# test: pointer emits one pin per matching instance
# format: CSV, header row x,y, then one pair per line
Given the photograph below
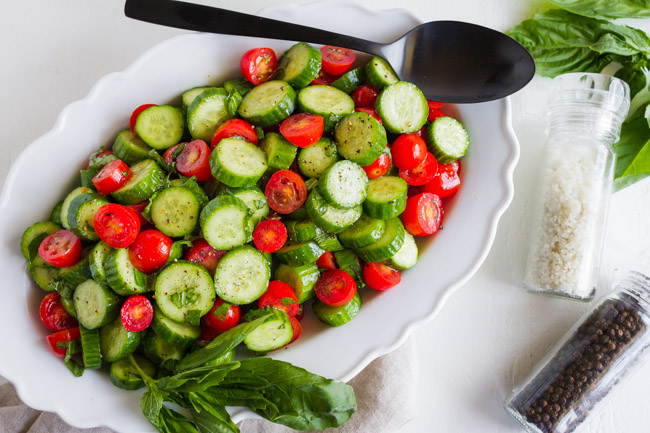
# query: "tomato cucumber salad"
x,y
283,192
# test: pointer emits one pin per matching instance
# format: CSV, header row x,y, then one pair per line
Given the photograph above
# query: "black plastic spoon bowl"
x,y
451,61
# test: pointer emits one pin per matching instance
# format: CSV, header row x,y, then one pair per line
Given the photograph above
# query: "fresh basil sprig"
x,y
607,8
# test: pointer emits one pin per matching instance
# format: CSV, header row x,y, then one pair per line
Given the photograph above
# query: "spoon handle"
x,y
202,18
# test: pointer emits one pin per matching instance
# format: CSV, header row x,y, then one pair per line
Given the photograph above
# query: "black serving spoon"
x,y
450,61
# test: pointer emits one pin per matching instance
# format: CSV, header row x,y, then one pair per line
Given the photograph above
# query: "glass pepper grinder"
x,y
585,114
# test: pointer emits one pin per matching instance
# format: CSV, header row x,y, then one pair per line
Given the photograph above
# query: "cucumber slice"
x,y
360,138
268,104
314,160
242,275
158,350
96,305
117,343
174,333
302,279
330,218
225,222
240,85
190,95
87,176
348,261
96,260
44,277
326,101
279,152
236,162
349,81
407,256
81,213
184,291
255,200
302,231
387,246
344,185
191,184
77,273
447,139
91,355
299,254
125,376
207,112
33,237
299,65
175,211
55,215
298,215
402,107
328,242
271,335
121,276
379,73
160,126
129,148
337,316
386,197
147,179
66,203
362,233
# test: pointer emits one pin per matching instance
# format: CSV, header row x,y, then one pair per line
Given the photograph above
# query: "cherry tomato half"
x,y
281,296
150,251
234,128
423,173
337,60
323,79
270,235
408,151
61,337
327,261
302,129
202,253
365,96
60,249
423,214
434,110
194,160
296,328
445,183
112,177
335,287
169,156
380,277
222,321
257,65
136,113
379,167
53,315
370,111
136,313
116,225
285,191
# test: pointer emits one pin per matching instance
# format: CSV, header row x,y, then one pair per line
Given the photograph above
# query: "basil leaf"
x,y
633,152
169,168
197,379
173,422
607,8
221,311
288,301
151,404
72,348
210,418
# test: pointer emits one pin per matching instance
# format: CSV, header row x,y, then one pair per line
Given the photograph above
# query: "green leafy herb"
x,y
633,152
95,162
221,311
193,316
288,301
169,168
607,8
233,101
72,347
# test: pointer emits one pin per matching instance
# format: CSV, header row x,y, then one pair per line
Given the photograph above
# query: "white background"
x,y
491,332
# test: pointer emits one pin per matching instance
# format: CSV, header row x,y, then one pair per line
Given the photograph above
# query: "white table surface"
x,y
491,332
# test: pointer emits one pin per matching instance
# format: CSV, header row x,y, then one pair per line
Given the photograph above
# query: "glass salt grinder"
x,y
591,358
585,113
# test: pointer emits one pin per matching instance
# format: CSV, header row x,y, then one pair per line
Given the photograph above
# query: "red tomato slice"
x,y
150,251
270,235
116,225
234,128
380,277
445,183
379,167
423,173
61,337
434,113
139,208
168,155
370,111
202,253
297,330
60,249
323,79
207,334
335,287
220,322
281,296
136,313
285,191
136,113
423,214
435,104
112,177
257,65
302,129
194,160
301,313
408,151
337,60
53,315
365,96
98,156
327,261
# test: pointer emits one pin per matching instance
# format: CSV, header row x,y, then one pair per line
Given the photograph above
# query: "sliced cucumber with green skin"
x,y
225,222
407,256
125,376
268,104
387,246
314,160
174,333
160,126
129,148
191,184
254,199
81,213
55,216
349,81
95,304
77,273
337,316
242,275
344,185
386,197
44,277
302,279
184,291
348,261
298,215
96,260
158,350
240,85
299,254
175,211
402,107
33,237
91,354
379,73
364,232
147,179
279,152
271,335
299,65
447,139
68,305
326,101
190,95
66,203
122,276
233,101
117,343
236,162
207,112
302,231
330,218
328,242
360,138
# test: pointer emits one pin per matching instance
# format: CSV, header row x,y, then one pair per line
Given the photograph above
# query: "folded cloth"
x,y
385,390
